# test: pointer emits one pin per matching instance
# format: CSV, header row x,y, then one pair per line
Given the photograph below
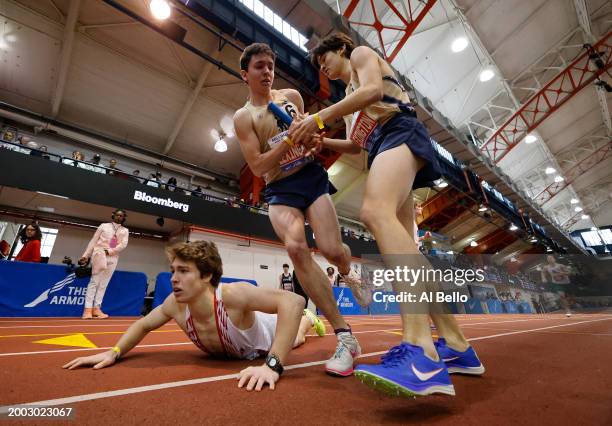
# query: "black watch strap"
x,y
274,364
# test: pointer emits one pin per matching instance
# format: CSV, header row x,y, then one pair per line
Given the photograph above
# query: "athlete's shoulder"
x,y
292,96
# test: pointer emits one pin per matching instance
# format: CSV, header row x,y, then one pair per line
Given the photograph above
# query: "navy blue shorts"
x,y
402,128
300,189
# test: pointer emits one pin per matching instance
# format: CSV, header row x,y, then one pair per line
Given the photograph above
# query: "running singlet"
x,y
287,282
364,122
236,343
270,131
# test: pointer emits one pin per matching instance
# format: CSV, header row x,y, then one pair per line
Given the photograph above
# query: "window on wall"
x,y
606,235
46,243
277,22
591,238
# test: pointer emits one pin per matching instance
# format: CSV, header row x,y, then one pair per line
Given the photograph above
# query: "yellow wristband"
x,y
319,121
116,350
288,140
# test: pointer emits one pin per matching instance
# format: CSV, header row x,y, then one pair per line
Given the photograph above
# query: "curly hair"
x,y
252,50
203,253
37,236
331,43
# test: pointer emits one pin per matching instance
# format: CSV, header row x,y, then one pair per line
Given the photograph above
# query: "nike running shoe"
x,y
406,371
341,363
318,325
466,362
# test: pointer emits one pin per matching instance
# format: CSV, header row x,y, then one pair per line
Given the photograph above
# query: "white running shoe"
x,y
341,363
361,292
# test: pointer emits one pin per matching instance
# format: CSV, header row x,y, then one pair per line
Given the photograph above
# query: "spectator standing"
x,y
103,250
285,279
331,275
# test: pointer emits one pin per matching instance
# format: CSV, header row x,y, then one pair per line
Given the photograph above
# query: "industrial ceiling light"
x,y
593,228
160,9
513,227
441,183
578,209
530,138
584,216
549,170
220,145
473,244
574,201
559,179
483,208
459,44
486,74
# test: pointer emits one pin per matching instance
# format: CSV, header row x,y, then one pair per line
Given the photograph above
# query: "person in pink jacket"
x,y
103,250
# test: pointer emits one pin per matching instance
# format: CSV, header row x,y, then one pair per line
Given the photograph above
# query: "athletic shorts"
x,y
300,189
405,128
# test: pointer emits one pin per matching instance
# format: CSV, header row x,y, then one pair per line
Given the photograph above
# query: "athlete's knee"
x,y
335,255
370,215
298,250
374,214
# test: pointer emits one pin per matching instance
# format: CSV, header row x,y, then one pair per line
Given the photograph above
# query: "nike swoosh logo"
x,y
450,359
424,376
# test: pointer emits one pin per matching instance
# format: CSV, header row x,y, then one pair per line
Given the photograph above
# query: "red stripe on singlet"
x,y
193,335
217,324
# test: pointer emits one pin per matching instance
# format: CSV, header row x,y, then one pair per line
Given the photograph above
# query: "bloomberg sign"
x,y
167,202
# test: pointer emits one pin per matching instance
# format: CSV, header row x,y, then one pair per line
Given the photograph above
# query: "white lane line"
x,y
91,349
180,344
168,385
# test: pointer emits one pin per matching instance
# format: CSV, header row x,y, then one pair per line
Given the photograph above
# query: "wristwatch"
x,y
274,363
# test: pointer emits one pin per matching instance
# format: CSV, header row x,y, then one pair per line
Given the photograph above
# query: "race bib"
x,y
362,129
292,158
113,242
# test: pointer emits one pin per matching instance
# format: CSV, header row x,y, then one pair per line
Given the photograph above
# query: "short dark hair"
x,y
285,265
331,43
203,253
122,211
37,236
252,50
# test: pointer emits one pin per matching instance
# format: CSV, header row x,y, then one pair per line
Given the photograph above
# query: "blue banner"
x,y
524,307
39,290
381,305
495,306
510,307
346,302
473,306
163,286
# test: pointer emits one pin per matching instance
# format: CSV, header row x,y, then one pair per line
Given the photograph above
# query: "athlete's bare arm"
x,y
134,335
289,308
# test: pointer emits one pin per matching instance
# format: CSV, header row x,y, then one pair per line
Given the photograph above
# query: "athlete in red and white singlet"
x,y
236,343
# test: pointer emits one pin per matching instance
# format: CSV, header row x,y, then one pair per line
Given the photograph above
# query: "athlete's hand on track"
x,y
98,361
257,377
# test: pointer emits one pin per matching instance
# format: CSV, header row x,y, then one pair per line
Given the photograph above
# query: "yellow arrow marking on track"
x,y
79,340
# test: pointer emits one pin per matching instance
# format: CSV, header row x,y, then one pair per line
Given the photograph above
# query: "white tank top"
x,y
236,343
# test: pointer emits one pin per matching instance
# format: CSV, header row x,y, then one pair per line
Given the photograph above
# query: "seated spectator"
x,y
40,152
5,248
112,165
197,192
135,176
173,185
153,181
30,237
95,159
